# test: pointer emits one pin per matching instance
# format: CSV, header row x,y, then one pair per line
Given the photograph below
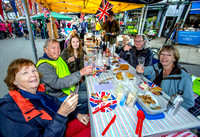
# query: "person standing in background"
x,y
83,29
111,28
33,29
98,27
25,29
93,28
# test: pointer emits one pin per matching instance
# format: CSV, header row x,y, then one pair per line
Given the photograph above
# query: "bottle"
x,y
175,103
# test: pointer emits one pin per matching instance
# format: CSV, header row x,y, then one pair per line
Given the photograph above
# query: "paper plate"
x,y
97,102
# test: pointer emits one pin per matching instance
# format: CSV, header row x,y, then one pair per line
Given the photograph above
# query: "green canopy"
x,y
53,14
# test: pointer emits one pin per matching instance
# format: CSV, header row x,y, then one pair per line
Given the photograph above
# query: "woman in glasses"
x,y
124,49
170,76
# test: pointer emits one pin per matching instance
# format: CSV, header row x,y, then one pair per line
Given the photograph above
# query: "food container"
x,y
158,102
131,99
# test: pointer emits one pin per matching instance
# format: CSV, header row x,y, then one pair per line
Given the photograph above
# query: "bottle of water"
x,y
175,103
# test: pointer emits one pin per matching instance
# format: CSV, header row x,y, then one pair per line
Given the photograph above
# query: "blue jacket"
x,y
178,79
20,117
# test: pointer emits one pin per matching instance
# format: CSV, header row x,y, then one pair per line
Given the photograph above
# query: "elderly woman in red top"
x,y
29,111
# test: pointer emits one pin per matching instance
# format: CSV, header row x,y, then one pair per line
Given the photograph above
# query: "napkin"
x,y
103,87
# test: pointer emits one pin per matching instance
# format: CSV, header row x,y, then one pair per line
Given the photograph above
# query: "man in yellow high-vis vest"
x,y
56,76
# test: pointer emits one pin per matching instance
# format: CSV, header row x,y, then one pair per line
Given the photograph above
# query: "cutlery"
x,y
107,105
141,117
110,123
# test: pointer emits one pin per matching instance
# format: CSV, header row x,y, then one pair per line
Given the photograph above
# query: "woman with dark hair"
x,y
73,55
29,111
170,76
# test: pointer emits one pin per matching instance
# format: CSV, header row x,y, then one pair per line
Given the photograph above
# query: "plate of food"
x,y
100,99
155,89
120,75
150,103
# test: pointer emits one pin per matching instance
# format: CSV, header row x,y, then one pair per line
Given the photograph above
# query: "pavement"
x,y
20,48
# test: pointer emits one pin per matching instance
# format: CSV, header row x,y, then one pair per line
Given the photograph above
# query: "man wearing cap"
x,y
112,28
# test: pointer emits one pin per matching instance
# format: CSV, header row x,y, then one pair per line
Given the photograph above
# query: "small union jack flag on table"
x,y
103,10
96,102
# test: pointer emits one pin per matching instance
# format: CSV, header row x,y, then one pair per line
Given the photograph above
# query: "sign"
x,y
174,10
189,37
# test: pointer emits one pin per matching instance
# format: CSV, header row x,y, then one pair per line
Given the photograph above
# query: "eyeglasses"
x,y
168,55
138,41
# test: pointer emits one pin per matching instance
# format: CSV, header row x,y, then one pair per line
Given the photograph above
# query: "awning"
x,y
53,14
85,6
195,9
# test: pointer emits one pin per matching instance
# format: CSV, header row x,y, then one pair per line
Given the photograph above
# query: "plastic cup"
x,y
141,61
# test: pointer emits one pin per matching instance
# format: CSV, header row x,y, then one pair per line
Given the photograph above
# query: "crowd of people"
x,y
50,98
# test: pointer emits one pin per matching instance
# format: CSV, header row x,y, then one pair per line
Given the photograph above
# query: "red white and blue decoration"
x,y
103,10
46,12
96,102
151,85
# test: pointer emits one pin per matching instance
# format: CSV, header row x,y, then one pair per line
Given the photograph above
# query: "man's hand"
x,y
68,105
71,59
140,69
83,118
86,70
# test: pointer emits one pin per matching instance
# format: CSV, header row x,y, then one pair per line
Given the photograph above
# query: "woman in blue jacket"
x,y
29,111
170,76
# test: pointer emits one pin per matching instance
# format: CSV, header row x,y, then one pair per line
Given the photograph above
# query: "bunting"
x,y
12,2
1,10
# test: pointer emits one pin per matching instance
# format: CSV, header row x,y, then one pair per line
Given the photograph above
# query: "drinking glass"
x,y
141,61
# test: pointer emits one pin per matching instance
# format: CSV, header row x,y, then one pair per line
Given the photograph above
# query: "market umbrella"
x,y
86,6
53,14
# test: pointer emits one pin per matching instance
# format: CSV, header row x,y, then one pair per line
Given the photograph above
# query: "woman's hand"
x,y
71,59
83,118
140,69
86,70
68,105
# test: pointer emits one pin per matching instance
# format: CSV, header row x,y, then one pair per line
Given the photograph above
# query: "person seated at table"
x,y
124,49
169,75
73,55
140,49
57,78
71,33
28,111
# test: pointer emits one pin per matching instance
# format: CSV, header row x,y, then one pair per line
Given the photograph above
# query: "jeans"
x,y
93,32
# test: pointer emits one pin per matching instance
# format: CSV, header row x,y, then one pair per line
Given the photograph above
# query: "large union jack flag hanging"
x,y
46,12
103,10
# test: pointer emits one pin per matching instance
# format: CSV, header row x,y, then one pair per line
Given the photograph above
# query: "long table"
x,y
126,120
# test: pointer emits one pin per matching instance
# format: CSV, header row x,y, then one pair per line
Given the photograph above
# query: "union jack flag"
x,y
20,26
46,12
23,13
96,102
82,16
103,10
